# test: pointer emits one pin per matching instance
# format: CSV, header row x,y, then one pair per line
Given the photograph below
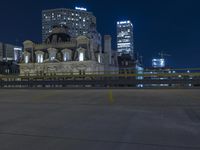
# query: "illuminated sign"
x,y
158,63
123,22
81,8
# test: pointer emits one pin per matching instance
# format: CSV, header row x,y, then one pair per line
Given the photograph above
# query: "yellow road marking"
x,y
110,97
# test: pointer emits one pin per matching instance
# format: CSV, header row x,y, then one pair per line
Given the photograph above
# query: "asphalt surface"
x,y
100,119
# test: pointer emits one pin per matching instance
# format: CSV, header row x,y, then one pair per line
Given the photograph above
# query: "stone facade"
x,y
62,55
62,68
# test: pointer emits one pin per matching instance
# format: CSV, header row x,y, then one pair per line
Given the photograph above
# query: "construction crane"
x,y
162,54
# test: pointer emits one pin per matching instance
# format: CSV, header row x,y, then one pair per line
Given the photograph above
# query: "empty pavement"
x,y
100,119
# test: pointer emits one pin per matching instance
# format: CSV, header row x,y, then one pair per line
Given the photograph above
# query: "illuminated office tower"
x,y
78,20
125,44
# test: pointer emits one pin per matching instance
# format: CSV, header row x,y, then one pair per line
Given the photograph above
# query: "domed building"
x,y
60,54
59,34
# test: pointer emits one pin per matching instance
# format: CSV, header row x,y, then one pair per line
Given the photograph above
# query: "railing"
x,y
175,80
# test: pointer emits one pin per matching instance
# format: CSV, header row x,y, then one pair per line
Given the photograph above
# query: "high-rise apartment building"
x,y
78,21
125,41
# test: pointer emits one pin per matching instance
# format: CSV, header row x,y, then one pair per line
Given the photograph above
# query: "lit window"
x,y
66,56
39,58
99,58
52,58
81,56
26,59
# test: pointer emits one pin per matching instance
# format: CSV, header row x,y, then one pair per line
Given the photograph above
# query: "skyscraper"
x,y
78,20
125,44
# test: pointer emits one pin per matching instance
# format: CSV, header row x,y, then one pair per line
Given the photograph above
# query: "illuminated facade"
x,y
65,55
78,20
158,63
125,43
9,52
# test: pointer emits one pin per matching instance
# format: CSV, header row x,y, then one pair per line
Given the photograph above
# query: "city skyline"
x,y
172,27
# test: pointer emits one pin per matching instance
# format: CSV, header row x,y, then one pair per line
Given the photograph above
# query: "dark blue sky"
x,y
172,26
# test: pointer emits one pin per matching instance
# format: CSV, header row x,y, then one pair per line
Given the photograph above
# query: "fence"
x,y
175,78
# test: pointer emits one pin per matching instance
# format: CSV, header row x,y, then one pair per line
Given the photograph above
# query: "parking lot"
x,y
97,119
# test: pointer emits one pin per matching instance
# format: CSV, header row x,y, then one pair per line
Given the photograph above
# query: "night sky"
x,y
172,26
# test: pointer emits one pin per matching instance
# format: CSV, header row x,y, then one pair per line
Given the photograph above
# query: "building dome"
x,y
59,34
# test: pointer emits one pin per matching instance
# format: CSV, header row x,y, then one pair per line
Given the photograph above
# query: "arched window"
x,y
39,56
81,56
26,57
99,58
66,54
